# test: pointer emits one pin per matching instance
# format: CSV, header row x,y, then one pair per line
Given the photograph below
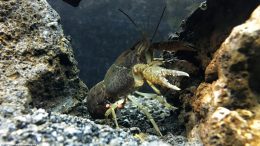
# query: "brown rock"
x,y
230,105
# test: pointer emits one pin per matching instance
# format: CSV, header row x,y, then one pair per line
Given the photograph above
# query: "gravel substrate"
x,y
42,128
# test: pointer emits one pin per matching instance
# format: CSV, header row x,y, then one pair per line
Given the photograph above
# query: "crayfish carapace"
x,y
130,70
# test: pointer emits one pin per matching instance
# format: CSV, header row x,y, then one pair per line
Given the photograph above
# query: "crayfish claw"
x,y
176,73
165,83
166,72
154,74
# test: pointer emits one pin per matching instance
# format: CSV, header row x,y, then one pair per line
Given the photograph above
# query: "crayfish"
x,y
129,72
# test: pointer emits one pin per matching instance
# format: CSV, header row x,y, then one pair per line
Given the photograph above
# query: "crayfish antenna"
x,y
136,26
158,24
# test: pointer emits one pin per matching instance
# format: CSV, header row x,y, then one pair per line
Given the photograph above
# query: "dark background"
x,y
99,32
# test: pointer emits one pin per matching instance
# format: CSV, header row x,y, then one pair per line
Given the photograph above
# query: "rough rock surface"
x,y
211,24
41,128
37,64
131,116
231,103
38,70
220,102
222,105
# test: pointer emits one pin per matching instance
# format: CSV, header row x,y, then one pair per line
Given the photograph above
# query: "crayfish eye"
x,y
108,105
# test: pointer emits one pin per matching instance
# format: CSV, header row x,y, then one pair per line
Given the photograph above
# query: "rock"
x,y
206,28
132,117
39,116
66,130
220,103
37,63
232,116
38,73
209,26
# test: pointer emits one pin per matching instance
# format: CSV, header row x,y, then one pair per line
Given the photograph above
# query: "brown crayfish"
x,y
130,70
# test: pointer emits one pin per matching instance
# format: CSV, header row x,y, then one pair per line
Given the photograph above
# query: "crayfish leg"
x,y
159,98
111,110
149,116
155,89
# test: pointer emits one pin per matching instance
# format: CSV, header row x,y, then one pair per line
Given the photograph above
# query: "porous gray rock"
x,y
38,72
36,63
